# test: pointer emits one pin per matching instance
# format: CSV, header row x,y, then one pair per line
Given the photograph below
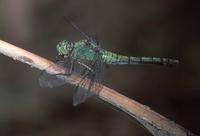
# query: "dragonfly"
x,y
87,59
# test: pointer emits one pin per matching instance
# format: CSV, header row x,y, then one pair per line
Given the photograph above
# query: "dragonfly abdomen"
x,y
152,60
116,59
109,57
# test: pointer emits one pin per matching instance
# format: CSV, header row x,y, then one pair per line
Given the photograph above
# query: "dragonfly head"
x,y
64,48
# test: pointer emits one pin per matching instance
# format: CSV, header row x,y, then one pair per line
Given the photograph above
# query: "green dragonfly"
x,y
87,59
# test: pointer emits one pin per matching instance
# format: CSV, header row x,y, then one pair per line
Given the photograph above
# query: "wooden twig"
x,y
155,123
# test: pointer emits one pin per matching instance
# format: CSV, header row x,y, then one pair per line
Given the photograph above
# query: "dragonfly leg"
x,y
71,66
87,67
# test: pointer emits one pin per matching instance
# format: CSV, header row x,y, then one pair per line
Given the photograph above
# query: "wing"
x,y
50,81
80,94
77,28
91,77
92,39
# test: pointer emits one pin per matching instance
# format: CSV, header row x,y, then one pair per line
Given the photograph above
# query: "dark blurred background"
x,y
162,28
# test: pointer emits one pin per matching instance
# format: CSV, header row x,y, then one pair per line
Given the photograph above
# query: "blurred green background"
x,y
162,28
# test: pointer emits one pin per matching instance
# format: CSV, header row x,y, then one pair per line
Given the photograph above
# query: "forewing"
x,y
80,95
49,80
99,74
89,80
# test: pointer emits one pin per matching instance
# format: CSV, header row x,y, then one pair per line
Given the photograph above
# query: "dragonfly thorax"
x,y
84,50
80,50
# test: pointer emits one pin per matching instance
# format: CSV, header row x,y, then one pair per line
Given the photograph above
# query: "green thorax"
x,y
84,50
90,51
81,50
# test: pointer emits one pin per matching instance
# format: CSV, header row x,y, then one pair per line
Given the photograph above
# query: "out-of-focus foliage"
x,y
166,28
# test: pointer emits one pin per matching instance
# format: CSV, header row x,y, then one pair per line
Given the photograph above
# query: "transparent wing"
x,y
99,70
80,94
77,28
49,80
91,77
98,67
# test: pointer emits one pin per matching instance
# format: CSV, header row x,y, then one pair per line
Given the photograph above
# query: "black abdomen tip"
x,y
170,61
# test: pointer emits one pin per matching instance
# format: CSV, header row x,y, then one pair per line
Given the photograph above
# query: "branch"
x,y
155,123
